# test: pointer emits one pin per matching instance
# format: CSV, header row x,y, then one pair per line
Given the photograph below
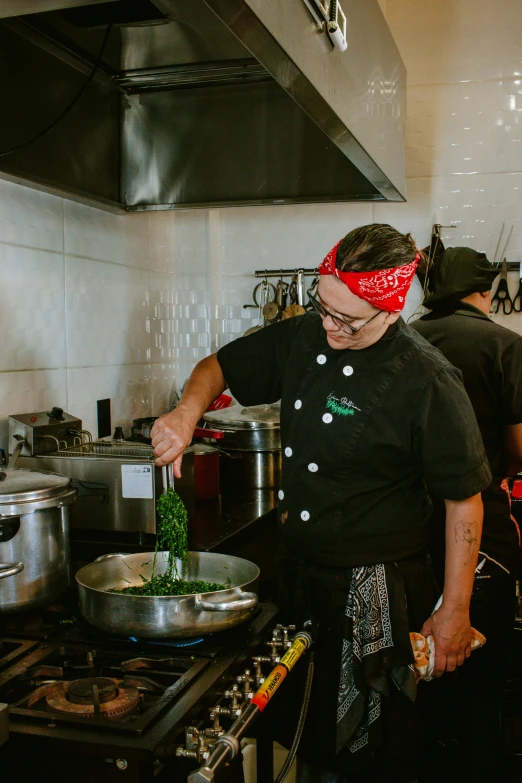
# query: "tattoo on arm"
x,y
467,532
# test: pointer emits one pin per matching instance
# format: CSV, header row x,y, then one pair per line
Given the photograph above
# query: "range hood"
x,y
201,103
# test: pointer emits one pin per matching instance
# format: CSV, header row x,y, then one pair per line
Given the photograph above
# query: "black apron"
x,y
357,743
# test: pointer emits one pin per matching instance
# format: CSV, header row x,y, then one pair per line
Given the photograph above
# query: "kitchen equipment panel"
x,y
116,481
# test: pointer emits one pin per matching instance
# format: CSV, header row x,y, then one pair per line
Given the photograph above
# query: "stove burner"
x,y
83,691
94,697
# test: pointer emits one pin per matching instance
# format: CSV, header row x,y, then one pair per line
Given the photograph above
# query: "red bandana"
x,y
383,288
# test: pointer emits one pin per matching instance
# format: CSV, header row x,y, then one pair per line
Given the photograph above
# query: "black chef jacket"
x,y
490,358
365,434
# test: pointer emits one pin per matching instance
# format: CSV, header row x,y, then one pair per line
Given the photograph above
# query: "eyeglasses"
x,y
339,322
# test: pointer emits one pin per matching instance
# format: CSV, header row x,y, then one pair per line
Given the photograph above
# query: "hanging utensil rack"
x,y
269,292
285,272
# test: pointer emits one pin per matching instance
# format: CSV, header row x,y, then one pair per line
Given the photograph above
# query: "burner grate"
x,y
43,686
11,649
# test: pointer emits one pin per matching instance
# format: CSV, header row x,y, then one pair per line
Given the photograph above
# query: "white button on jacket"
x,y
281,494
348,370
305,516
321,359
327,418
298,404
313,468
288,452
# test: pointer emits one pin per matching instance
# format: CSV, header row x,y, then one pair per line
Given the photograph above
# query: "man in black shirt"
x,y
371,417
490,359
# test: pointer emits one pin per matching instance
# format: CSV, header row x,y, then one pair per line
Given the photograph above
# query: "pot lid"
x,y
22,485
256,417
203,448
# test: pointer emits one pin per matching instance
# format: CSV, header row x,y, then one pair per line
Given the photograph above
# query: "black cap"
x,y
459,272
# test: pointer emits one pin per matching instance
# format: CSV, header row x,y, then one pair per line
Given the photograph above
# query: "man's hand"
x,y
451,631
171,435
173,432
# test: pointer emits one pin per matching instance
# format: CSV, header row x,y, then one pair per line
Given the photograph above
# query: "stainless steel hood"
x,y
205,103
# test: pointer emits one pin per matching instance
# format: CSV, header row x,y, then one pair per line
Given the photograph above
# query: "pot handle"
x,y
245,601
10,569
111,554
202,432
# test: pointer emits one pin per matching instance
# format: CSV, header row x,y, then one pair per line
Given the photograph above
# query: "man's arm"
x,y
449,625
173,432
513,448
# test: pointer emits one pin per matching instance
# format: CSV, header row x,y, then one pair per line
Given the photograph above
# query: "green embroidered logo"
x,y
342,407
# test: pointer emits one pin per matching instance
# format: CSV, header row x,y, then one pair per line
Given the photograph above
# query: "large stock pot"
x,y
34,538
166,617
250,446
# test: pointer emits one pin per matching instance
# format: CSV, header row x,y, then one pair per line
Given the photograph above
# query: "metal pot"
x,y
251,469
34,538
251,445
166,617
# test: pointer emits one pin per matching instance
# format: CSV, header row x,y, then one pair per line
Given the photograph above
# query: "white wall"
x,y
77,309
464,122
99,305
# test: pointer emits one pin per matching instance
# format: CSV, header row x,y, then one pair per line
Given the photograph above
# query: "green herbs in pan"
x,y
162,584
171,537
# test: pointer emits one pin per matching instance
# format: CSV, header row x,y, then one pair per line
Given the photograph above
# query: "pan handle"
x,y
10,569
245,601
110,555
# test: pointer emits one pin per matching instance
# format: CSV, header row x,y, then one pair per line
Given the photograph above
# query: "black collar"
x,y
461,308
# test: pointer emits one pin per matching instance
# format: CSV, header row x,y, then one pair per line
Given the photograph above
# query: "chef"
x,y
490,358
372,417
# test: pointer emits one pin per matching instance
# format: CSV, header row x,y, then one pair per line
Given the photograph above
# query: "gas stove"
x,y
84,706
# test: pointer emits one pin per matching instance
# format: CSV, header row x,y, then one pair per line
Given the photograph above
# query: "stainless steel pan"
x,y
167,617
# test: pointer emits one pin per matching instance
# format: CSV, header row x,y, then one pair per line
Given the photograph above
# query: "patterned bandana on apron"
x,y
371,663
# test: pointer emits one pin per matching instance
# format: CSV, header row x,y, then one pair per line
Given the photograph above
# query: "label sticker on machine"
x,y
136,481
292,655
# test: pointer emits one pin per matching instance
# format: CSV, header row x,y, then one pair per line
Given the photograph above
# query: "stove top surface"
x,y
110,687
71,681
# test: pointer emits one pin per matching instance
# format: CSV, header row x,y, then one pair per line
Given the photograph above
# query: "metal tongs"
x,y
167,475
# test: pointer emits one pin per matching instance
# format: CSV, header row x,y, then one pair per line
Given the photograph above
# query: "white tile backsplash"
x,y
31,218
127,386
107,313
21,392
104,236
32,314
286,236
464,128
164,387
179,242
